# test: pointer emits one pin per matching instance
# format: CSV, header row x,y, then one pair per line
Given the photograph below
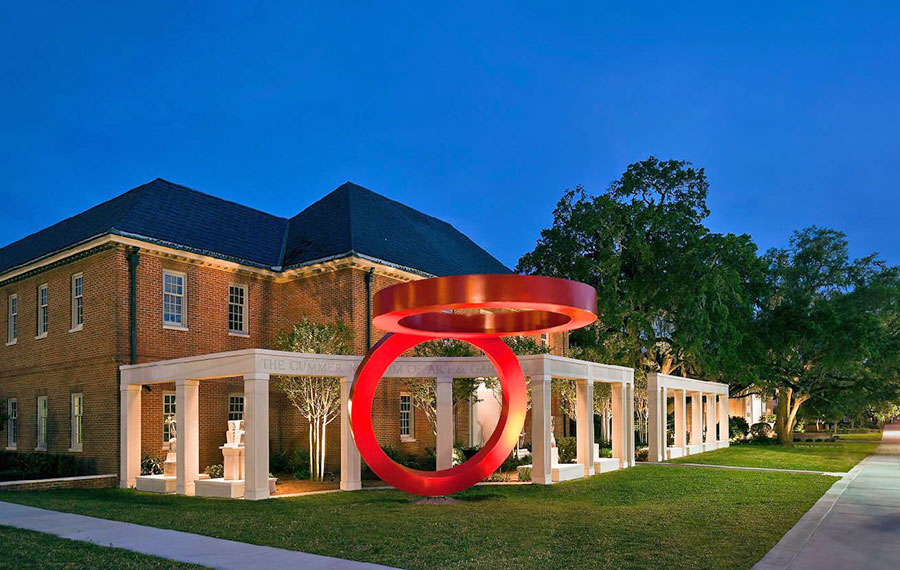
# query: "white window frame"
x,y
410,413
42,325
76,407
43,418
12,319
77,298
545,340
171,397
232,409
245,329
12,424
183,326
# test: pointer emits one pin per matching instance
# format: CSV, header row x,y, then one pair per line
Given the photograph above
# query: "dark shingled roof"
x,y
349,220
355,219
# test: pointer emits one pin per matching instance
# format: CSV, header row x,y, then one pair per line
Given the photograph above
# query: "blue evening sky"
x,y
478,113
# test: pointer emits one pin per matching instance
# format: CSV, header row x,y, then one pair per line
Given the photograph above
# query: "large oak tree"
x,y
673,297
829,328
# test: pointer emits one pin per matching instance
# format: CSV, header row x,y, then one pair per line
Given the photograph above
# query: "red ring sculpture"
x,y
413,313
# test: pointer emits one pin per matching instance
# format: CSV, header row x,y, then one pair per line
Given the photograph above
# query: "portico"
x,y
257,366
708,400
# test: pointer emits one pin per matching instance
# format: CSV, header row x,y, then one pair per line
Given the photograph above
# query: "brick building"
x,y
163,271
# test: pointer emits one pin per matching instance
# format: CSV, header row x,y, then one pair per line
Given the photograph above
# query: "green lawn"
x,y
646,517
832,457
875,436
23,549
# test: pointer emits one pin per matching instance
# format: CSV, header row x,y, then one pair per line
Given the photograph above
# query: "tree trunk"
x,y
784,428
786,414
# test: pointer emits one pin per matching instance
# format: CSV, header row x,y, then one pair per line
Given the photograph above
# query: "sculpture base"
x,y
225,489
155,483
607,464
219,488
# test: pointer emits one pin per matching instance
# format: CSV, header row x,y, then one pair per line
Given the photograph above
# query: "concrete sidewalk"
x,y
171,544
856,524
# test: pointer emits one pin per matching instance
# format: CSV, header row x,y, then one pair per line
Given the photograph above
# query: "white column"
x,y
710,418
541,473
619,420
723,420
129,435
444,424
681,419
187,425
628,390
351,479
696,418
584,421
657,405
256,438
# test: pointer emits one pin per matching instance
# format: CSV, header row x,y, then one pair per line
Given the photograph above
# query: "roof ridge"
x,y
217,198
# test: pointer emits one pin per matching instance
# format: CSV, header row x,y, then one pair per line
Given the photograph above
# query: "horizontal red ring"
x,y
539,305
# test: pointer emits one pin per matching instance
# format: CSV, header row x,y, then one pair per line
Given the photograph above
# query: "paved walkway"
x,y
171,544
856,524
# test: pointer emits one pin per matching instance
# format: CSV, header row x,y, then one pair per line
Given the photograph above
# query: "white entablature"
x,y
282,363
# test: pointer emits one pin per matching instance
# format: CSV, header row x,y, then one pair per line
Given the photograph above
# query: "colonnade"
x,y
708,405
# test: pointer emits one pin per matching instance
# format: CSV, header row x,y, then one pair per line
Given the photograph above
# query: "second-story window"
x,y
43,310
77,301
174,294
237,309
12,319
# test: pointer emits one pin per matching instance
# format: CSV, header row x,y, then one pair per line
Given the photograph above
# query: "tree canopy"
x,y
805,322
673,296
829,328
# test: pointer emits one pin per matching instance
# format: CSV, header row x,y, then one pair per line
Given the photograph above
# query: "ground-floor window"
x,y
77,422
12,423
407,420
168,415
43,410
235,407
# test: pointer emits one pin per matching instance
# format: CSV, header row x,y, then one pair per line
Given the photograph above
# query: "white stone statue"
x,y
169,467
233,451
234,436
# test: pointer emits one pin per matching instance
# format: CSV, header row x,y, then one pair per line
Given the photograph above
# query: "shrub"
x,y
761,430
215,471
511,462
524,473
15,466
568,449
469,452
642,454
151,465
605,452
296,462
738,428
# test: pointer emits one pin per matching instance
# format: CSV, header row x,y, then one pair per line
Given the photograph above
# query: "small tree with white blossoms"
x,y
318,398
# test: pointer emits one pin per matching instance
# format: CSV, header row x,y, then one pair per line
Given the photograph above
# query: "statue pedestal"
x,y
169,466
233,462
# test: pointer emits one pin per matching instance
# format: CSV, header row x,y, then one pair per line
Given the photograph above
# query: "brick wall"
x,y
90,482
87,361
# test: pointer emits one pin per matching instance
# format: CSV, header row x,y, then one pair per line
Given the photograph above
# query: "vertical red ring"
x,y
463,476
